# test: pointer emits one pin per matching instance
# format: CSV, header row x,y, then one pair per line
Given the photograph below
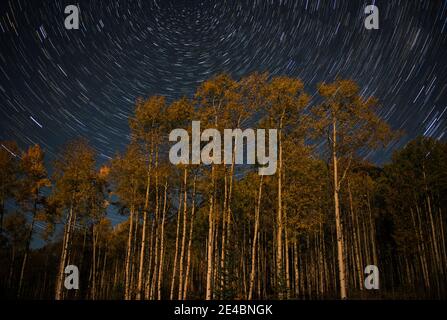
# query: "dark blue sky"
x,y
58,84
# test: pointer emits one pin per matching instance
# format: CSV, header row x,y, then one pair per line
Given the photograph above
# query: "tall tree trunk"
x,y
95,241
65,242
210,246
81,263
372,232
177,236
143,234
358,262
103,291
255,241
224,234
423,252
279,221
191,227
152,254
154,279
286,249
338,222
182,250
133,260
162,236
215,268
127,294
226,219
296,268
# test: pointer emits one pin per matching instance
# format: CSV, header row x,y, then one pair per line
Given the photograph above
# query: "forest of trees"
x,y
223,231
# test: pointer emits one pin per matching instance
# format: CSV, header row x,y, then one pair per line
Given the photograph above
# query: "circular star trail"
x,y
58,84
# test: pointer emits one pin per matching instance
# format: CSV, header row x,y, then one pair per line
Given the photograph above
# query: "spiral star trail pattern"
x,y
58,84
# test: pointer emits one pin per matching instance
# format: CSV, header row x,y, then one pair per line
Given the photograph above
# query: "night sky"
x,y
58,84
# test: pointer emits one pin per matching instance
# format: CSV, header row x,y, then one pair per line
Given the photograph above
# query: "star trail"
x,y
58,84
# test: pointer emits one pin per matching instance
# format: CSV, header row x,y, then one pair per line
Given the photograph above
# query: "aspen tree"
x,y
32,183
349,123
73,176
